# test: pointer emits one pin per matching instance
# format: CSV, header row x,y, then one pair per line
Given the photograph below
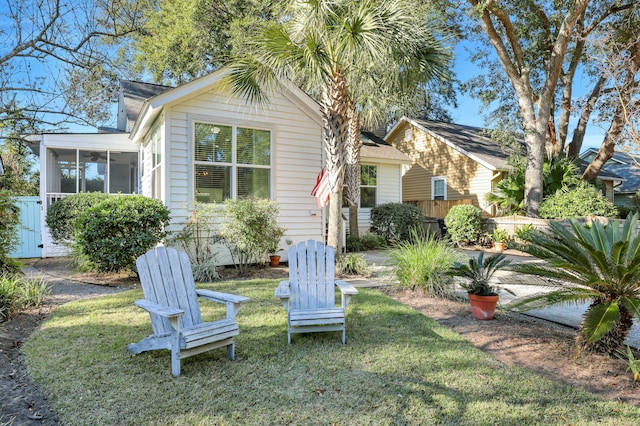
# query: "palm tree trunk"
x,y
353,170
612,340
334,109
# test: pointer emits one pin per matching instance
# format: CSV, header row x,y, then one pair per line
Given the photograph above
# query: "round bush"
x,y
395,221
63,214
113,233
583,200
464,223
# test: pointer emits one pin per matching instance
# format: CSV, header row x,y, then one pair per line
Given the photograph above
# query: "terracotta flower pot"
x,y
483,307
275,260
500,246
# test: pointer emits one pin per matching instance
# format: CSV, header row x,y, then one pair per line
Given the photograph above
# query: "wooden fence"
x,y
438,208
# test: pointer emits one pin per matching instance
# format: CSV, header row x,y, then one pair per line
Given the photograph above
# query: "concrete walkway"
x,y
522,285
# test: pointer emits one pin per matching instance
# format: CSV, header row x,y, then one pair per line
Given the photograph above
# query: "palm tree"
x,y
595,263
324,46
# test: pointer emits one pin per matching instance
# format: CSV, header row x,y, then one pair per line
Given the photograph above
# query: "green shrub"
x,y
352,264
113,233
395,221
366,242
464,223
9,222
18,292
423,262
62,216
250,230
198,238
583,200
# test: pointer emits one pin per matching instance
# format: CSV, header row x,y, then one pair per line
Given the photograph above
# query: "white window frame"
x,y
435,179
234,149
368,186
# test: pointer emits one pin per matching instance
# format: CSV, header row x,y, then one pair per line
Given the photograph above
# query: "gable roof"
x,y
376,147
468,140
135,93
152,107
623,165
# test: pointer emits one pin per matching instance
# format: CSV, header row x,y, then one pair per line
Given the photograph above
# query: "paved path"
x,y
520,284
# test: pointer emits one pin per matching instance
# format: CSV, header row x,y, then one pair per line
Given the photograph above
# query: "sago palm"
x,y
595,263
323,46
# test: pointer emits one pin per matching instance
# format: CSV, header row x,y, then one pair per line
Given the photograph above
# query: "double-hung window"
x,y
231,162
439,188
368,185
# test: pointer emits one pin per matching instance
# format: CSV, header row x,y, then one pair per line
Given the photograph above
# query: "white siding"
x,y
296,159
389,190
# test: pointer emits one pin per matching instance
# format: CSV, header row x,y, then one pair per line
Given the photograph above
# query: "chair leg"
x,y
175,362
288,337
231,351
344,336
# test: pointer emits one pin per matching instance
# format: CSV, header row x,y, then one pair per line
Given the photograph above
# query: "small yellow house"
x,y
452,164
456,164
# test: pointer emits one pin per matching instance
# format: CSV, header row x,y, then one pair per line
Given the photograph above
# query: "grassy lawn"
x,y
398,367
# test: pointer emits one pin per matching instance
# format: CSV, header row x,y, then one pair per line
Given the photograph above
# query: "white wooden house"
x,y
199,142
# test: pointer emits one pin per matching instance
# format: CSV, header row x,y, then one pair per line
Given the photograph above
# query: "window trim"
x,y
234,165
433,187
368,186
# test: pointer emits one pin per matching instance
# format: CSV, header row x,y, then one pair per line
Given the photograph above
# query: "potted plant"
x,y
275,234
500,238
477,273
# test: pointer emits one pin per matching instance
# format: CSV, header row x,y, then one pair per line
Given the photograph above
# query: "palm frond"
x,y
543,299
599,320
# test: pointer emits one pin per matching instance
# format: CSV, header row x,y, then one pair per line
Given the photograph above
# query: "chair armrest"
x,y
347,290
217,296
154,308
232,301
283,292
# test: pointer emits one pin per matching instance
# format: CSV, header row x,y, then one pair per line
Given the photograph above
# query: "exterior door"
x,y
30,240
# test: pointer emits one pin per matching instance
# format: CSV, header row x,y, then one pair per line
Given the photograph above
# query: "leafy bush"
x,y
62,216
198,238
366,242
464,223
113,233
395,221
17,293
352,264
583,200
250,229
9,221
423,262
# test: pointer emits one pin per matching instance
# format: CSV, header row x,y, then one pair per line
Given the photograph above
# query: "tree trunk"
x,y
533,174
353,171
578,134
334,109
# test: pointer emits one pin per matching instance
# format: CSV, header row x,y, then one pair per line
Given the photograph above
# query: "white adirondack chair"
x,y
171,299
308,295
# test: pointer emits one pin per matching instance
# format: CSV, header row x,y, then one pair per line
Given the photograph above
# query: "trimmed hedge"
x,y
62,216
113,233
464,223
395,221
583,200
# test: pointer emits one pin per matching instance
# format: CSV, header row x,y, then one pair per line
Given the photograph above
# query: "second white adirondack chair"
x,y
308,295
171,299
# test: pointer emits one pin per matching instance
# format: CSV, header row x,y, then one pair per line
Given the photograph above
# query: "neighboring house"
x,y
380,178
454,164
451,162
625,165
198,142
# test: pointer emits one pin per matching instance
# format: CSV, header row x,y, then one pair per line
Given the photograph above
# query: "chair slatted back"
x,y
166,278
312,275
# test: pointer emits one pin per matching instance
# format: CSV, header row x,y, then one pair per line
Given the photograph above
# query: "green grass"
x,y
398,367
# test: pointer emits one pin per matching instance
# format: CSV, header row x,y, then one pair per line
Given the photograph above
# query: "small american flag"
x,y
322,191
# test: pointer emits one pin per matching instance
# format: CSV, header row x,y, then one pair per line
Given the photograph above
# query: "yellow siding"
x,y
466,179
